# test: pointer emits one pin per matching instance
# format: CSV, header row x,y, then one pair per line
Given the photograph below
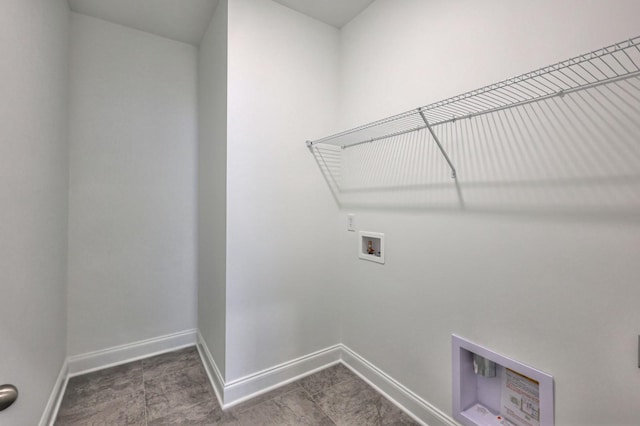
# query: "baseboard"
x,y
92,361
250,386
210,366
53,404
404,398
244,388
239,390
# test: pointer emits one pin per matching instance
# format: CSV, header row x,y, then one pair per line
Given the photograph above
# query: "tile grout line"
x,y
379,398
182,368
144,394
307,390
315,402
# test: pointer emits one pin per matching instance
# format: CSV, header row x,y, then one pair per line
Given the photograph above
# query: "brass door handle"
x,y
8,395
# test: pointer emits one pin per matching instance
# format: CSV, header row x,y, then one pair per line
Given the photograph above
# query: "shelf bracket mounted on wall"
x,y
454,174
610,76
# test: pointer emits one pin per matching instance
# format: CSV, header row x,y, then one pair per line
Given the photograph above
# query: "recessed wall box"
x,y
516,394
371,246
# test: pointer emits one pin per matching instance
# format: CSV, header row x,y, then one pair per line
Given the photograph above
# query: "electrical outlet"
x,y
351,222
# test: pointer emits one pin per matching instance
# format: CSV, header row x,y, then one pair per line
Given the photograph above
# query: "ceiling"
x,y
182,20
333,12
187,20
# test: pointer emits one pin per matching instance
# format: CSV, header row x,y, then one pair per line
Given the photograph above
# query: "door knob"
x,y
8,395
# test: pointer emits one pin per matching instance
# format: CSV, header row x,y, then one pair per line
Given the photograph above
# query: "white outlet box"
x,y
371,246
351,222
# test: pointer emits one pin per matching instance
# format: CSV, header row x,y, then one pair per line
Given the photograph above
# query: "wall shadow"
x,y
579,153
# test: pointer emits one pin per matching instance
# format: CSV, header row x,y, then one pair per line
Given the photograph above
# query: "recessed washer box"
x,y
371,246
491,389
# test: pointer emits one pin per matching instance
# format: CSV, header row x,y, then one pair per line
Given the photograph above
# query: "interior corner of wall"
x,y
216,377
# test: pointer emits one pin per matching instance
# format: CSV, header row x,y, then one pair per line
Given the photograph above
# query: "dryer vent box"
x,y
492,390
371,246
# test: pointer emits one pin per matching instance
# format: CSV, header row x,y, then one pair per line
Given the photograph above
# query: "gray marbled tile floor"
x,y
173,388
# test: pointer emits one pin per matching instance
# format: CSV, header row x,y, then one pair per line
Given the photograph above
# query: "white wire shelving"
x,y
615,63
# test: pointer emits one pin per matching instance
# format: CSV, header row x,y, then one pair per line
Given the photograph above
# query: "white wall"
x,y
555,292
282,278
132,186
212,184
33,201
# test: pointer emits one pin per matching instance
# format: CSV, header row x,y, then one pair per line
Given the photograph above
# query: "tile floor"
x,y
173,388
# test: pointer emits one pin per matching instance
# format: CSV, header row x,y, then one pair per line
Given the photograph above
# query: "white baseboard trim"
x,y
404,398
244,388
53,404
250,386
105,358
211,368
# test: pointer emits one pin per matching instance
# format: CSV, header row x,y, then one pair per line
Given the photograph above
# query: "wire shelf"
x,y
610,64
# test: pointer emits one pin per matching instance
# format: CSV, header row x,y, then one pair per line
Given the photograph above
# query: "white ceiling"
x,y
187,20
182,20
333,12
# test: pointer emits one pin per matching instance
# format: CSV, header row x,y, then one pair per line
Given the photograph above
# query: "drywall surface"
x,y
33,201
554,291
132,178
463,46
181,21
282,274
212,184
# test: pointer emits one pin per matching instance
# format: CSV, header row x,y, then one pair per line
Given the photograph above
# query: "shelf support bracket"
x,y
454,174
